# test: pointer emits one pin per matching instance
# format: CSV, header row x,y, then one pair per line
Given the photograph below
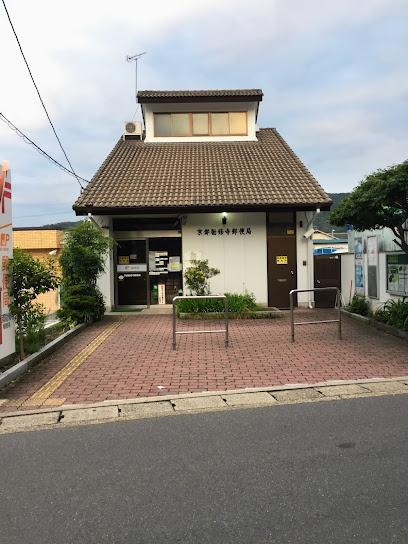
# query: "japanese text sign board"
x,y
7,346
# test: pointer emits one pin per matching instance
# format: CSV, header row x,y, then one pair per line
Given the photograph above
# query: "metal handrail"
x,y
193,297
337,306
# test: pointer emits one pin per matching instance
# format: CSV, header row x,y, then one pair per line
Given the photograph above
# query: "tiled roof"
x,y
202,175
187,95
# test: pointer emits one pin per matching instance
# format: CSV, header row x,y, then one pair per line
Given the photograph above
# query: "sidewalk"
x,y
129,357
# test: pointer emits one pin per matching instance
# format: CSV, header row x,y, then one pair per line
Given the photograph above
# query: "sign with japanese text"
x,y
7,346
225,231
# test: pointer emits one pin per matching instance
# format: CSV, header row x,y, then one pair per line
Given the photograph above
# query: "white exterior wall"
x,y
385,246
106,279
241,259
249,107
347,276
304,254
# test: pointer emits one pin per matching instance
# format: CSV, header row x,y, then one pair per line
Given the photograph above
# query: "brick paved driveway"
x,y
137,359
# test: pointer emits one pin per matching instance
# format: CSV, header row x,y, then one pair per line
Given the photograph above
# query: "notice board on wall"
x,y
359,266
158,262
397,274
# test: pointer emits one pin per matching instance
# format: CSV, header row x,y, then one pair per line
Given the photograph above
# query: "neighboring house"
x,y
202,181
376,267
41,244
326,244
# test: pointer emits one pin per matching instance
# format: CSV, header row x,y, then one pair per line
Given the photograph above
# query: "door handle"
x,y
292,272
318,281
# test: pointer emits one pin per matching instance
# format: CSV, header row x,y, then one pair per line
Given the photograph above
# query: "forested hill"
x,y
322,219
60,226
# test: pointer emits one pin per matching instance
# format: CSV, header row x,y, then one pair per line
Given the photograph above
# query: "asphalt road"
x,y
328,472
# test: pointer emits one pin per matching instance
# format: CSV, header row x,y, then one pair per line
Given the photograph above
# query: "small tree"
x,y
82,261
29,278
197,276
381,200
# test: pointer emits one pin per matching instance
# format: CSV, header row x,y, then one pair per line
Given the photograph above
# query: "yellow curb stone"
x,y
153,409
198,403
249,398
386,387
296,395
34,420
89,414
335,390
53,402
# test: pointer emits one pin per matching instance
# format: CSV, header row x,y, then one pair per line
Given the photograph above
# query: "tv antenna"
x,y
135,58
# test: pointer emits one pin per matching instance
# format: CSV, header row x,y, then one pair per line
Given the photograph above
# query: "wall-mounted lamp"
x,y
224,218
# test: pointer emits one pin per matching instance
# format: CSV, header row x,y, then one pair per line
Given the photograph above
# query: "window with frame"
x,y
233,123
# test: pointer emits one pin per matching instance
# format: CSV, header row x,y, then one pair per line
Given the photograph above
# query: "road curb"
x,y
144,407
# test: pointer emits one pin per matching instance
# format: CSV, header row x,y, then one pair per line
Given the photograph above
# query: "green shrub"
x,y
197,276
81,304
82,261
359,305
29,278
394,313
237,303
34,334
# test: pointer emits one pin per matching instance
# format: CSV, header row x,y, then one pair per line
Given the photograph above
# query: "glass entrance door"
x,y
131,273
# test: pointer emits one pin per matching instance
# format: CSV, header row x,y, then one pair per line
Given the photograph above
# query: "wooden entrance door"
x,y
327,273
131,273
281,258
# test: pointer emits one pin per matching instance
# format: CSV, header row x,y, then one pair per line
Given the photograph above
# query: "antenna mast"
x,y
131,58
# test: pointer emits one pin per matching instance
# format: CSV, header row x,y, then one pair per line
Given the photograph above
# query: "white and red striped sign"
x,y
7,345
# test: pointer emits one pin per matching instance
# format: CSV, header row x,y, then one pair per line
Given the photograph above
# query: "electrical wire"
x,y
38,148
39,95
42,215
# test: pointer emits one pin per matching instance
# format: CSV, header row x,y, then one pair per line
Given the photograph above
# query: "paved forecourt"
x,y
128,357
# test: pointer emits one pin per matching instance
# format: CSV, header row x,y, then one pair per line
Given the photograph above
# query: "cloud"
x,y
333,74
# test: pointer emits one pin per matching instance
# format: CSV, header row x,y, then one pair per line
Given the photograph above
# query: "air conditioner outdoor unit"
x,y
132,130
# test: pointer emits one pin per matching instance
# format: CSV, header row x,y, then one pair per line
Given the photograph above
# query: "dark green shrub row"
x,y
394,313
237,303
359,305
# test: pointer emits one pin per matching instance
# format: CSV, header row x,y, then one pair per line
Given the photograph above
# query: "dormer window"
x,y
201,124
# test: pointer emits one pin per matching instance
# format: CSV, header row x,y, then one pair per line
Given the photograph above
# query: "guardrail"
x,y
192,297
337,306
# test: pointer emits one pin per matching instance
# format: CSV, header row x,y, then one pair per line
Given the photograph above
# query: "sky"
x,y
334,77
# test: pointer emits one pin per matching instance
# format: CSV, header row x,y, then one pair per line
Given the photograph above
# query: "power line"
x,y
39,95
42,215
38,148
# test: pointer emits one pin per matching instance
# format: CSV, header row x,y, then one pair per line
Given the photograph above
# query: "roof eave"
x,y
195,99
204,208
